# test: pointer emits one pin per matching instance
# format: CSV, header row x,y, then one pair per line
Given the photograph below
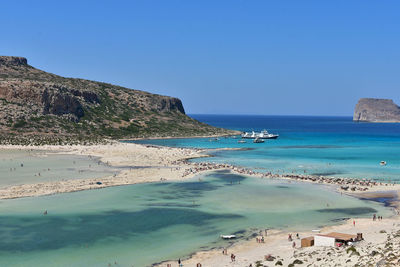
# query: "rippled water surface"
x,y
146,223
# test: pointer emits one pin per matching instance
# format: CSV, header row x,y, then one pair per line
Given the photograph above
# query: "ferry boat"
x,y
263,135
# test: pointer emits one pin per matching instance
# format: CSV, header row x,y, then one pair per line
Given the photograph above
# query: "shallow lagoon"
x,y
146,223
24,167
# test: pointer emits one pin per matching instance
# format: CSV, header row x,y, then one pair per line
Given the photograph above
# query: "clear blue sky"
x,y
226,57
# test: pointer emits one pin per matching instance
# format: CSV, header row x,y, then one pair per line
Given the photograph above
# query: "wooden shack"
x,y
307,242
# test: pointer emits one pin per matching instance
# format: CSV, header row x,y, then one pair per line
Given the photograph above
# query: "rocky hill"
x,y
36,106
376,110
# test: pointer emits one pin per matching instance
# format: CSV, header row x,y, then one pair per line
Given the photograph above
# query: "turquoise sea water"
x,y
329,146
146,223
141,224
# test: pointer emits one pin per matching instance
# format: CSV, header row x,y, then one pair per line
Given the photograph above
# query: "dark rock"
x,y
60,104
166,104
10,61
89,97
344,187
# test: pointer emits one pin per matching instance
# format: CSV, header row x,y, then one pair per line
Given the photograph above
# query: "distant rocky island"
x,y
40,107
376,110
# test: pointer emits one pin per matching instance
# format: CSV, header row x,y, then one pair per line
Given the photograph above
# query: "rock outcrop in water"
x,y
376,110
37,104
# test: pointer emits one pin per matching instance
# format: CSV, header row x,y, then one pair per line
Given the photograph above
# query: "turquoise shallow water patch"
x,y
146,223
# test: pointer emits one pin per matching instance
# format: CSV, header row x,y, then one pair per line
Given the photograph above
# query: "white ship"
x,y
266,135
262,135
251,135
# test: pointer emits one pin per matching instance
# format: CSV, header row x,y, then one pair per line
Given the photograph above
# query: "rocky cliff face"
x,y
10,61
37,103
376,110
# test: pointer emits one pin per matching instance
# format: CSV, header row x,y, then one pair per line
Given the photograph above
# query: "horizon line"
x,y
270,115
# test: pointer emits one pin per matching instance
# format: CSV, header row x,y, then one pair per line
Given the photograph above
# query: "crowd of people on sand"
x,y
374,218
260,237
352,184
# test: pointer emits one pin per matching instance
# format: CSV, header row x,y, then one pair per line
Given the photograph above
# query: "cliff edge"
x,y
41,107
376,110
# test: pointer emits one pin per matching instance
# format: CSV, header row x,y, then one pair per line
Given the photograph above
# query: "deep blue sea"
x,y
329,146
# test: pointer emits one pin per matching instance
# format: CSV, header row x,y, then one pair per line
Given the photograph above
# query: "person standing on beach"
x,y
290,237
354,223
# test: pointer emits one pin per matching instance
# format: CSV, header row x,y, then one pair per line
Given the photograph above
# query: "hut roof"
x,y
340,236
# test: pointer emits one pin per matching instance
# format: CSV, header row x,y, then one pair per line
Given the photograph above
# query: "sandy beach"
x,y
141,164
380,246
145,164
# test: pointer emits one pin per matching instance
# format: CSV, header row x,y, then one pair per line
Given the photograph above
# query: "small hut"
x,y
334,239
307,242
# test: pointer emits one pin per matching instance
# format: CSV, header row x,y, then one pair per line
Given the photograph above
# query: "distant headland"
x,y
40,108
376,110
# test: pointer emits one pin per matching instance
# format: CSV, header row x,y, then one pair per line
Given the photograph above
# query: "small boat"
x,y
242,141
383,163
266,135
228,236
258,140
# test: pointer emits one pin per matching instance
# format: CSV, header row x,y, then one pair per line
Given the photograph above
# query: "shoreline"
x,y
234,132
155,161
172,164
276,248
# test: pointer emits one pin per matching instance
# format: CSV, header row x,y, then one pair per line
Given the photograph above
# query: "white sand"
x,y
156,163
375,235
